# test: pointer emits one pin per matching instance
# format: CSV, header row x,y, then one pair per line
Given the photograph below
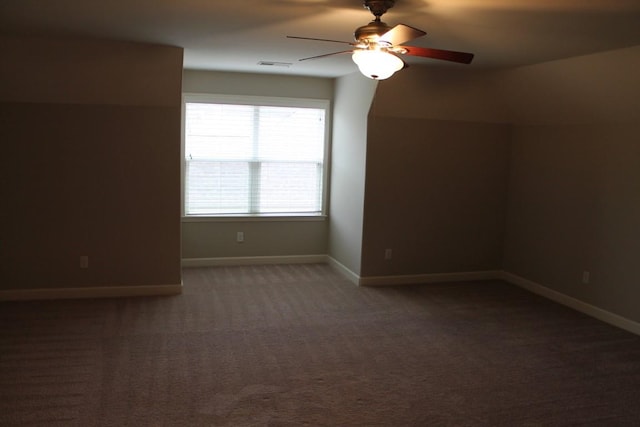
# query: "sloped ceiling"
x,y
237,35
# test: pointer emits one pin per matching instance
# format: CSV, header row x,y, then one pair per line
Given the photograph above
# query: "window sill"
x,y
254,218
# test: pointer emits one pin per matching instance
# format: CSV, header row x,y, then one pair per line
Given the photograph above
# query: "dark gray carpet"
x,y
291,345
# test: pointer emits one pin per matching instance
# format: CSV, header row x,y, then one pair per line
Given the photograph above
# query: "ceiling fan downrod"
x,y
378,7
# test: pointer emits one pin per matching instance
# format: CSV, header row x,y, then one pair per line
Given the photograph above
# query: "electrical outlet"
x,y
586,276
240,236
388,253
84,261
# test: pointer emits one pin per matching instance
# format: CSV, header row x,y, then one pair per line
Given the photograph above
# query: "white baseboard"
x,y
90,292
256,260
412,279
536,288
166,290
576,304
350,275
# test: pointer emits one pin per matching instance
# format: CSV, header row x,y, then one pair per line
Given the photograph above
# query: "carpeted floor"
x,y
295,345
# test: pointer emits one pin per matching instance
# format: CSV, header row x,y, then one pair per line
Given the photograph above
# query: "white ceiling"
x,y
234,35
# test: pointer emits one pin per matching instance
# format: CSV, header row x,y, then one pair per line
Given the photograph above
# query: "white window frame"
x,y
261,101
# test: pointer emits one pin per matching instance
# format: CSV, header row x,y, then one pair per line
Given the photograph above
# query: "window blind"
x,y
253,159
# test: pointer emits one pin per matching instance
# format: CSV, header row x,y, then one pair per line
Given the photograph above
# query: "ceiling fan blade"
x,y
320,40
447,55
401,34
326,54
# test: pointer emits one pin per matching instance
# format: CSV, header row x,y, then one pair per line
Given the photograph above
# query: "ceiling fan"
x,y
377,46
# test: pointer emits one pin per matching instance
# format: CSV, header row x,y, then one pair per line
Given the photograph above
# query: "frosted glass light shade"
x,y
377,64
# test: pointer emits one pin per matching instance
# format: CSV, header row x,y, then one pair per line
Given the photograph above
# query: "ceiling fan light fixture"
x,y
376,64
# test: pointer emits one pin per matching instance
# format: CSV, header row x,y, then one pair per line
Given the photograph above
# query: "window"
x,y
253,156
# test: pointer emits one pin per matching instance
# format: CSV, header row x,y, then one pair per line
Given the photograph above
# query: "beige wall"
x,y
461,94
261,238
217,238
574,197
436,195
90,135
436,179
552,150
341,235
218,82
93,72
599,88
534,170
353,96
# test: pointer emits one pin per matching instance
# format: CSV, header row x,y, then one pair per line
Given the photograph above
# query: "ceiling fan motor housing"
x,y
372,30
